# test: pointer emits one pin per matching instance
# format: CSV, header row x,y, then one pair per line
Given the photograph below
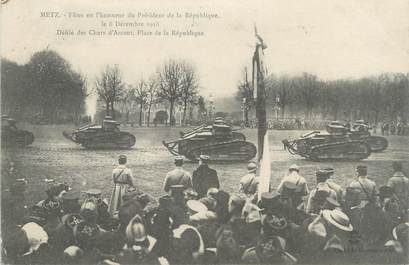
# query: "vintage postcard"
x,y
204,132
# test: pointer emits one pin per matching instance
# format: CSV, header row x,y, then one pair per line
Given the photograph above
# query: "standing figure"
x,y
204,177
249,182
123,182
400,185
363,185
177,176
296,180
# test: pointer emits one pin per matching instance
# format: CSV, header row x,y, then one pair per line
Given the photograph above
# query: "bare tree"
x,y
110,87
152,92
141,97
127,101
189,87
245,96
170,78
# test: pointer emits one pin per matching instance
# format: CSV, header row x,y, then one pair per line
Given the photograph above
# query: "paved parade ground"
x,y
52,156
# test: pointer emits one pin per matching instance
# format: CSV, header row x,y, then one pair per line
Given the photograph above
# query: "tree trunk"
x,y
246,117
140,114
171,121
112,110
184,113
149,115
282,111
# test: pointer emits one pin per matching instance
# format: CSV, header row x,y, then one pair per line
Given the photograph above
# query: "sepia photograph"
x,y
204,132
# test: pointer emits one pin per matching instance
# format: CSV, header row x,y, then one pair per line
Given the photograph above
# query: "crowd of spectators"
x,y
197,222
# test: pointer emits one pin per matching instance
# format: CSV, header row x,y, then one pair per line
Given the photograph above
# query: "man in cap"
x,y
318,196
400,184
204,177
365,186
330,182
301,187
178,176
249,182
70,202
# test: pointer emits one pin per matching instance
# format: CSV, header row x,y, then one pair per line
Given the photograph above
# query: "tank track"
x,y
124,141
355,150
20,138
228,154
377,143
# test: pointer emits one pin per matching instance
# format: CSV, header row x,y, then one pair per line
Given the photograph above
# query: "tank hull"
x,y
19,138
102,139
321,147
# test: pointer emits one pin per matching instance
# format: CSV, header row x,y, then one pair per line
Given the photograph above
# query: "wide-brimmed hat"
x,y
36,236
401,232
93,192
196,206
338,219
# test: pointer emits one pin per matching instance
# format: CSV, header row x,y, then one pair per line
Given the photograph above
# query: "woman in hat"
x,y
123,182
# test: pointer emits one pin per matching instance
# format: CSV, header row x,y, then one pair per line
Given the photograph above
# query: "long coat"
x,y
204,178
123,180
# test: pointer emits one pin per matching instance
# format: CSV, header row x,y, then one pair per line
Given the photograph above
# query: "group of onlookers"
x,y
197,222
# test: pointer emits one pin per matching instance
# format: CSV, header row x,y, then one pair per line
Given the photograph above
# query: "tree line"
x,y
175,83
45,88
372,98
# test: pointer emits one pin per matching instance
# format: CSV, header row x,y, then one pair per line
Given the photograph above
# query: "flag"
x,y
265,169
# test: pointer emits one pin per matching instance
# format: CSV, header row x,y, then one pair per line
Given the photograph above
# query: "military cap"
x,y
204,157
179,158
93,192
71,196
294,167
361,167
321,173
252,166
330,170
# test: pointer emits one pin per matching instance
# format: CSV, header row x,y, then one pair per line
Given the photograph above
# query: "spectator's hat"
x,y
322,175
14,242
269,248
385,192
337,219
71,196
361,167
203,216
212,191
196,206
204,158
268,199
401,232
36,236
329,170
71,220
294,167
275,222
179,158
334,203
94,192
288,188
252,167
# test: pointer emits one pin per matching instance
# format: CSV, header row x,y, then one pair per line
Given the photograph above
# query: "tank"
x,y
105,136
11,136
360,131
218,141
319,146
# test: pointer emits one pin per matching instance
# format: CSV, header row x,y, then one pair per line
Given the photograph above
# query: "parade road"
x,y
51,156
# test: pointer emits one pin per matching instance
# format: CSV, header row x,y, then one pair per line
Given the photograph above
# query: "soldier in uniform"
x,y
249,182
177,176
365,186
204,177
400,184
294,177
318,196
123,182
334,186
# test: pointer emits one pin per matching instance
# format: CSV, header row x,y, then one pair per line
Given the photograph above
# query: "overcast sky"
x,y
332,39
